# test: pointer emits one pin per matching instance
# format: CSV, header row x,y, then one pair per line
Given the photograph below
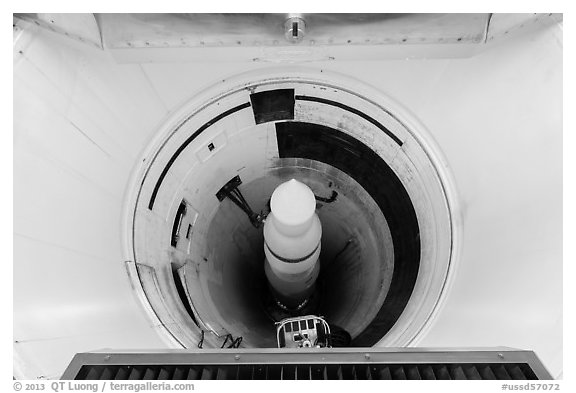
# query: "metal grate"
x,y
308,372
332,364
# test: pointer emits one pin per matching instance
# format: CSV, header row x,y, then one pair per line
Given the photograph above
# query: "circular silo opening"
x,y
388,238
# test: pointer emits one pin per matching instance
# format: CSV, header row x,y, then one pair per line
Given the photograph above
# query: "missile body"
x,y
292,234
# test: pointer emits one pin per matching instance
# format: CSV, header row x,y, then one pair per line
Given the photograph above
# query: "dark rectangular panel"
x,y
273,105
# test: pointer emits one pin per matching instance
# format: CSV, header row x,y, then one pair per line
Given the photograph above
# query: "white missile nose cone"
x,y
293,203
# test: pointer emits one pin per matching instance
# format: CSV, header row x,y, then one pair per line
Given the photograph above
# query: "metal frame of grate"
x,y
309,364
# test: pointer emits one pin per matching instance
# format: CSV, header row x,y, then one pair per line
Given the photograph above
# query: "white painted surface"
x,y
81,121
79,124
292,230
